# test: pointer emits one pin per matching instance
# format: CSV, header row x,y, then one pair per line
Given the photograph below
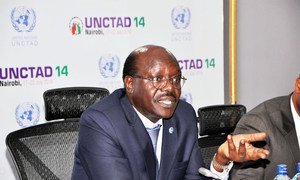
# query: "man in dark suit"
x,y
114,142
280,119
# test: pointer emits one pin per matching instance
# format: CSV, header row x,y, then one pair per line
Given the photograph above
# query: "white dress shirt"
x,y
296,118
148,124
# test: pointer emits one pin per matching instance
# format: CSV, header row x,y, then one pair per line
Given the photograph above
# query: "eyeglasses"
x,y
161,82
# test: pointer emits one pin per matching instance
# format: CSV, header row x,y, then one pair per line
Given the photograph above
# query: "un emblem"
x,y
187,97
23,19
181,17
27,114
109,65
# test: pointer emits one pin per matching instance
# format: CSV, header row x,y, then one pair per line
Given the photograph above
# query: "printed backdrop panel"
x,y
56,44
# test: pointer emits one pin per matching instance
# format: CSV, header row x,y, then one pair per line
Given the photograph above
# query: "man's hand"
x,y
238,148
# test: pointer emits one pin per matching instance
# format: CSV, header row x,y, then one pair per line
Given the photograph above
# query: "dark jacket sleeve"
x,y
98,154
252,169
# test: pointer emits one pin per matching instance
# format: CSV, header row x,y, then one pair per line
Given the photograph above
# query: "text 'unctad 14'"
x,y
25,72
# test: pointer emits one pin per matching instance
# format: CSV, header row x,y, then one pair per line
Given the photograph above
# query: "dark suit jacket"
x,y
113,144
275,118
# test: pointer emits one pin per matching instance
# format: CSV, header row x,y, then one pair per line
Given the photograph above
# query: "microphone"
x,y
207,173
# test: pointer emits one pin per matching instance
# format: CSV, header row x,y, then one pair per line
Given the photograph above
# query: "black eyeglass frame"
x,y
161,82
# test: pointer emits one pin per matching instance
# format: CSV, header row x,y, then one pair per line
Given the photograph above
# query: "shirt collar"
x,y
296,117
147,123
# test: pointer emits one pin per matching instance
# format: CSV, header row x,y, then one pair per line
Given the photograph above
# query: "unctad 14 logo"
x,y
76,26
23,20
187,97
98,26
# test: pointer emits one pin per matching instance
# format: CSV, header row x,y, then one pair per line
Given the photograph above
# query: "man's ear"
x,y
297,85
296,96
128,82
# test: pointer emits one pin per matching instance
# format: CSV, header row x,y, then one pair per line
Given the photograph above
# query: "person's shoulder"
x,y
265,116
183,105
271,105
184,109
108,102
100,111
277,100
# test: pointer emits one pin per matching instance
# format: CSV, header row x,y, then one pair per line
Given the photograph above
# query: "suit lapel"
x,y
288,128
146,146
169,146
142,137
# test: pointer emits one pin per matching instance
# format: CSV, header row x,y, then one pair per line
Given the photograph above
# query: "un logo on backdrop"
x,y
27,114
181,17
187,97
23,19
76,26
109,65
